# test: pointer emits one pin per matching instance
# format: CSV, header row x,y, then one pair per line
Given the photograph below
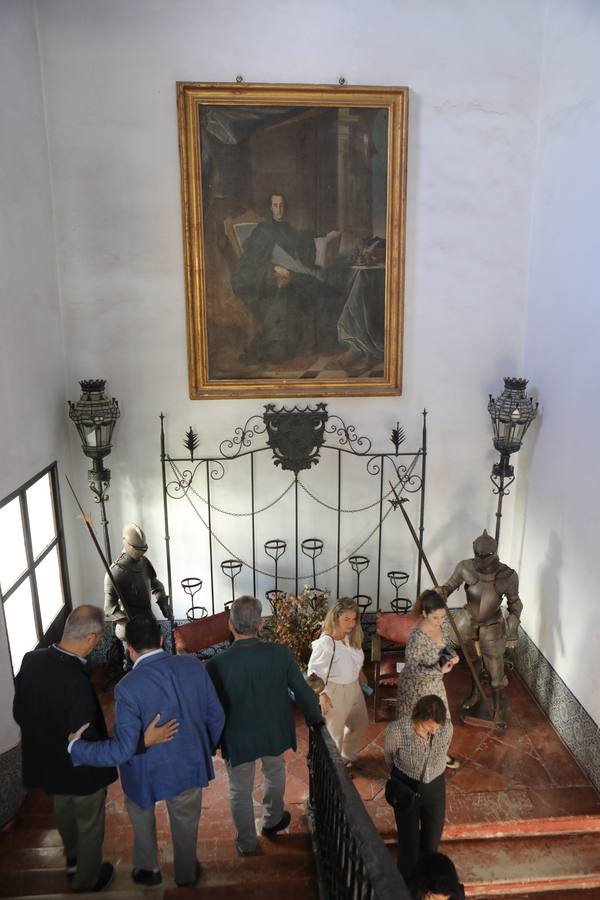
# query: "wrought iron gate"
x,y
299,439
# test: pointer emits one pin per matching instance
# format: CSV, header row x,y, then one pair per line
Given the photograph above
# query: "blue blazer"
x,y
177,687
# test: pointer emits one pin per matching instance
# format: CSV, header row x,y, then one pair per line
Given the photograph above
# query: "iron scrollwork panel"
x,y
296,438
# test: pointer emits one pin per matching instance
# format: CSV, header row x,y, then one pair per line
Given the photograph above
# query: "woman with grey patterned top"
x,y
425,666
415,749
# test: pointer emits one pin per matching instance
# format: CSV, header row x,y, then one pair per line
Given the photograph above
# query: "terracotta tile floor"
x,y
514,781
524,774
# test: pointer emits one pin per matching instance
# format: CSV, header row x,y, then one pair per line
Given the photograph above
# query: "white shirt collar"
x,y
146,655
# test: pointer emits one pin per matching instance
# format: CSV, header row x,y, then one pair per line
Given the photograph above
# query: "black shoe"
x,y
245,852
104,879
199,873
283,823
147,877
71,867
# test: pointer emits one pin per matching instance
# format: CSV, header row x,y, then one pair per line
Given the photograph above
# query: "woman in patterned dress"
x,y
423,672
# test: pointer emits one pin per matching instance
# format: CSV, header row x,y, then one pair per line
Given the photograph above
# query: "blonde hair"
x,y
344,604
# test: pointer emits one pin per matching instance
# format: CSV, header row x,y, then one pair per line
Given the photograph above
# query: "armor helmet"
x,y
134,539
485,549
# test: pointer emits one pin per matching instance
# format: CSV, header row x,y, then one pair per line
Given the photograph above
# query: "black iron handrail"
x,y
352,860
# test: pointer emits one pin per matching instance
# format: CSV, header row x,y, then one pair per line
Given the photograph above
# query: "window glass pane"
x,y
13,561
20,623
49,586
41,514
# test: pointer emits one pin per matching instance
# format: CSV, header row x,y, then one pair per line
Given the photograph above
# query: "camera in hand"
x,y
446,654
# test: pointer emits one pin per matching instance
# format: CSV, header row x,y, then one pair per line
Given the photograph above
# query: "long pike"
x,y
90,528
398,503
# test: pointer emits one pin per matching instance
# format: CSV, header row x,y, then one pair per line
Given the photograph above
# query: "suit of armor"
x,y
136,580
481,622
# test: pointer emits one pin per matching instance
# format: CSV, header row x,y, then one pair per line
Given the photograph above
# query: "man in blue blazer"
x,y
178,688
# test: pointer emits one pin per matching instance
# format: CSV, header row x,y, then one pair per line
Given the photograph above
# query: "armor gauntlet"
x,y
454,582
515,607
163,605
512,626
158,592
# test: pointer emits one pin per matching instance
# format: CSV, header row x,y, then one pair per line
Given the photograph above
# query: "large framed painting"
x,y
294,200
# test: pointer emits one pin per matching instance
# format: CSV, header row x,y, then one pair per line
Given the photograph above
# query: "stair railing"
x,y
352,861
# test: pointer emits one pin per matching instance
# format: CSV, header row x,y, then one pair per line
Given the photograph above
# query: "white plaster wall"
x,y
556,537
32,395
110,72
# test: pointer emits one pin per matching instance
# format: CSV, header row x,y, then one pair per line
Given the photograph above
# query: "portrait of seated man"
x,y
284,278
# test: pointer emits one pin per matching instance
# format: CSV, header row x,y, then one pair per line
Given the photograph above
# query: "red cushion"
x,y
203,633
396,627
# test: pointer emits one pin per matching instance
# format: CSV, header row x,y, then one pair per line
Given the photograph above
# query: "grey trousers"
x,y
80,822
184,815
241,783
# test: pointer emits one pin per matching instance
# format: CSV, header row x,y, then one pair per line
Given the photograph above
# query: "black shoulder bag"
x,y
398,793
315,682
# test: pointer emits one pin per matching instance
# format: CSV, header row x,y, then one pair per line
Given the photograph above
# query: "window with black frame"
x,y
34,583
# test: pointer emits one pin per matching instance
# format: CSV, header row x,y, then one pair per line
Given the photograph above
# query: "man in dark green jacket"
x,y
252,679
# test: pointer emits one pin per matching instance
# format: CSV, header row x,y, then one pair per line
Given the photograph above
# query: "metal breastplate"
x,y
134,584
483,599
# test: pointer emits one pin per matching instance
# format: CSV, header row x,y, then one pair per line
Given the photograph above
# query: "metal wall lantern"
x,y
95,416
512,413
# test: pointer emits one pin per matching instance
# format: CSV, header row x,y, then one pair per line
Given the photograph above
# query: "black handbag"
x,y
399,794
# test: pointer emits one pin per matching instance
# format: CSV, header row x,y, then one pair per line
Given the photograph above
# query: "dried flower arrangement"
x,y
296,622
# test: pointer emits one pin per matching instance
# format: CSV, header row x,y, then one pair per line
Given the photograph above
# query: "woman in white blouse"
x,y
337,657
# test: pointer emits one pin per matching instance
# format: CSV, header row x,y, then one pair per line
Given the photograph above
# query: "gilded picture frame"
x,y
294,210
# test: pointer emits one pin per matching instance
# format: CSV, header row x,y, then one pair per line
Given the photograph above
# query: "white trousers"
x,y
348,718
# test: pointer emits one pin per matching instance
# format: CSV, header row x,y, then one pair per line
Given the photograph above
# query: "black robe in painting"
x,y
287,317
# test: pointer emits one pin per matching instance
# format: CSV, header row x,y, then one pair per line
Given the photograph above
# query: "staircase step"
x,y
583,894
285,863
527,865
35,882
261,869
26,834
286,843
290,889
295,889
586,824
109,892
20,859
112,894
53,882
